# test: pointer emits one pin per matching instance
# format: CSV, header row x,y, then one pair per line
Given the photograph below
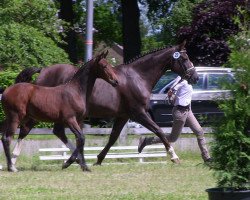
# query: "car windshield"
x,y
219,81
164,80
208,80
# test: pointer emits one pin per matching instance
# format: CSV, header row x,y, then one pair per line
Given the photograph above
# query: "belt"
x,y
183,107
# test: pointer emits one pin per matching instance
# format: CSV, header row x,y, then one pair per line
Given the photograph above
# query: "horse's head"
x,y
105,70
182,65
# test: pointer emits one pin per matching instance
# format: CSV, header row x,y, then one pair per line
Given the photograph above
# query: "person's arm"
x,y
174,87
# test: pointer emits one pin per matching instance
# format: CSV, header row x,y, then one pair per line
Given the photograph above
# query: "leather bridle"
x,y
187,73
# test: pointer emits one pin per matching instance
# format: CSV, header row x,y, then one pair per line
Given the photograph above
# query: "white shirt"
x,y
183,95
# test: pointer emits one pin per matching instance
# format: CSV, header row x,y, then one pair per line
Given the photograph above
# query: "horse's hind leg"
x,y
117,127
9,131
24,131
78,152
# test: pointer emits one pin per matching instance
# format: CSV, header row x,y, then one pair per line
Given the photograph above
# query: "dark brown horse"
x,y
129,100
65,104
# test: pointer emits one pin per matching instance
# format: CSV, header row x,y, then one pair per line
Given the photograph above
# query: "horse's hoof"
x,y
97,164
65,165
176,161
85,168
12,169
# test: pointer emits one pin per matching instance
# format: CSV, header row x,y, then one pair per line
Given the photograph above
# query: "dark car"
x,y
207,92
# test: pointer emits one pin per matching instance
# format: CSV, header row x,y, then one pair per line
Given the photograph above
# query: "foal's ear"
x,y
182,45
105,54
98,57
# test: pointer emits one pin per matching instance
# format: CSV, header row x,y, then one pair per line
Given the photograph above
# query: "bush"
x,y
25,46
231,150
39,14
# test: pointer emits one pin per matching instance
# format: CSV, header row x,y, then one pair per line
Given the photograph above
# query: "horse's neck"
x,y
151,67
84,83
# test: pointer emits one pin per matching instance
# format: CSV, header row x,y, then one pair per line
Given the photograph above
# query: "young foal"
x,y
67,104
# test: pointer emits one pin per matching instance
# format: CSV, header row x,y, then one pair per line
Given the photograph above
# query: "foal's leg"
x,y
80,140
9,130
144,119
59,131
24,131
117,127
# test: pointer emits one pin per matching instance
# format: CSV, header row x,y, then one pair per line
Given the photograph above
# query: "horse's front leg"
x,y
9,131
80,141
144,119
116,130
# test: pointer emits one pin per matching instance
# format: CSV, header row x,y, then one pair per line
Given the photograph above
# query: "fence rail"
x,y
107,131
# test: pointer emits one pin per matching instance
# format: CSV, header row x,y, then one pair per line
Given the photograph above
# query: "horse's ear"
x,y
98,57
182,45
105,54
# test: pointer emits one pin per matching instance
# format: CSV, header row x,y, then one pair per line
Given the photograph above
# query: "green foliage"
x,y
25,46
107,24
7,78
231,152
29,33
180,15
150,43
39,14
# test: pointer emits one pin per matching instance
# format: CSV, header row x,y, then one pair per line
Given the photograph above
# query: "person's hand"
x,y
170,93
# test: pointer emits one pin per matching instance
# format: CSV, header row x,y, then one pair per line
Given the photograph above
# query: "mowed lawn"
x,y
45,180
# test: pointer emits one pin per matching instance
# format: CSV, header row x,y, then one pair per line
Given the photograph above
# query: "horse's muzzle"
x,y
193,79
114,83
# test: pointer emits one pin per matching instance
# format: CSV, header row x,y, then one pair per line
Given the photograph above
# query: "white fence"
x,y
115,153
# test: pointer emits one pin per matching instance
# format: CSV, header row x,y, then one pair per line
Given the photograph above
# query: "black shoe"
x,y
142,144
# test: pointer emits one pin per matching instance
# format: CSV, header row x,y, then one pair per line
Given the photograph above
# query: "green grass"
x,y
133,181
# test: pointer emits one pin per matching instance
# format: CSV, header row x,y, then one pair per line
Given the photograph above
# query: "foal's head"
x,y
182,65
105,70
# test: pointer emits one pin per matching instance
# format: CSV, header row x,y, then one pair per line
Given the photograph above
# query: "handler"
x,y
181,95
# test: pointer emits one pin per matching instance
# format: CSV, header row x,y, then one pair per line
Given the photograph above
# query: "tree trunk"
x,y
67,14
130,29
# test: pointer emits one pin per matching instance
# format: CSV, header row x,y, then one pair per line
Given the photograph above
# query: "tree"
x,y
130,29
39,14
25,46
67,14
107,23
211,26
180,15
29,34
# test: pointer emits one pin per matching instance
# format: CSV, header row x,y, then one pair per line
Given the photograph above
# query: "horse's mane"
x,y
146,53
84,67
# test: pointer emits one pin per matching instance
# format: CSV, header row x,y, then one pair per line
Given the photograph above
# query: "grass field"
x,y
133,181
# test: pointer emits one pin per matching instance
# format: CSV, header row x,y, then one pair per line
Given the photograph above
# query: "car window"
x,y
199,84
164,80
218,81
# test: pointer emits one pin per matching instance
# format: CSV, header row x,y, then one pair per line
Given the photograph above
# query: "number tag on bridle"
x,y
176,55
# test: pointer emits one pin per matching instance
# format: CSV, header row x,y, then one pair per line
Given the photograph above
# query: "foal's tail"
x,y
26,74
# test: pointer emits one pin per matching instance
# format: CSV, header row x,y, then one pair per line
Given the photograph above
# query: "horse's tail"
x,y
26,74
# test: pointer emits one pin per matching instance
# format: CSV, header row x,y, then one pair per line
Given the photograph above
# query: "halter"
x,y
186,72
